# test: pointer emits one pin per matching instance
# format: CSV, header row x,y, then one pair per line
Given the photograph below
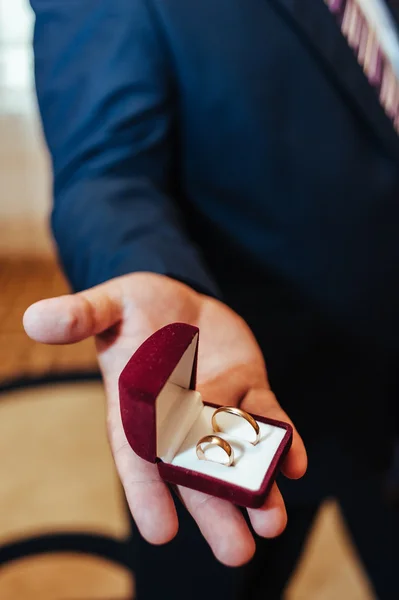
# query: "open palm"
x,y
121,314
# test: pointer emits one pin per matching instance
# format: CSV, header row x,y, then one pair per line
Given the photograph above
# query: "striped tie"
x,y
363,40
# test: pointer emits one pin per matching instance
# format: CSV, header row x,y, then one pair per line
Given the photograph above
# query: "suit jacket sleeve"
x,y
105,94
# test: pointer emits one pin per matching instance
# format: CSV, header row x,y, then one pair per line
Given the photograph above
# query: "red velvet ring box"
x,y
164,417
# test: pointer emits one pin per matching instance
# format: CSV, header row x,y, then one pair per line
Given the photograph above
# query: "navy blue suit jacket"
x,y
237,146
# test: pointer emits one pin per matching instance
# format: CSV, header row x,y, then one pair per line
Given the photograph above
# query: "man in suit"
x,y
229,164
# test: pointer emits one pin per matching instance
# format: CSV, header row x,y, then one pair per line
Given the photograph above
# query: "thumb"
x,y
74,317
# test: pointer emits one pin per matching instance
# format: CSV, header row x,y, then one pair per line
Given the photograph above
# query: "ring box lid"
x,y
165,362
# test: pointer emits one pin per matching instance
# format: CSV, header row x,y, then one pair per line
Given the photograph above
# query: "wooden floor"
x,y
57,472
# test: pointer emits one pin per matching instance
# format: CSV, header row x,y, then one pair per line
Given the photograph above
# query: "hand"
x,y
121,314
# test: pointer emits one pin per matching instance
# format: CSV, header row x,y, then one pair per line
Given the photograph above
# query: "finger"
x,y
74,317
223,527
149,499
263,402
271,519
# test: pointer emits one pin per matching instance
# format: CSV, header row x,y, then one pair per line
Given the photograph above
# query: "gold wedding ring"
x,y
215,440
232,410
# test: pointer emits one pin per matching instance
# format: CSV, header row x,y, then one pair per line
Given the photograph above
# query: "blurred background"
x,y
63,526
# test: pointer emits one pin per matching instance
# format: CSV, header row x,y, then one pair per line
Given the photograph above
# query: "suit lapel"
x,y
313,19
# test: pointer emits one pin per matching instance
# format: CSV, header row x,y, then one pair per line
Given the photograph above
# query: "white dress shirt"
x,y
377,13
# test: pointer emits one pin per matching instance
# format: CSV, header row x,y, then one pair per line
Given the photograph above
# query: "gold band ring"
x,y
215,440
239,413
